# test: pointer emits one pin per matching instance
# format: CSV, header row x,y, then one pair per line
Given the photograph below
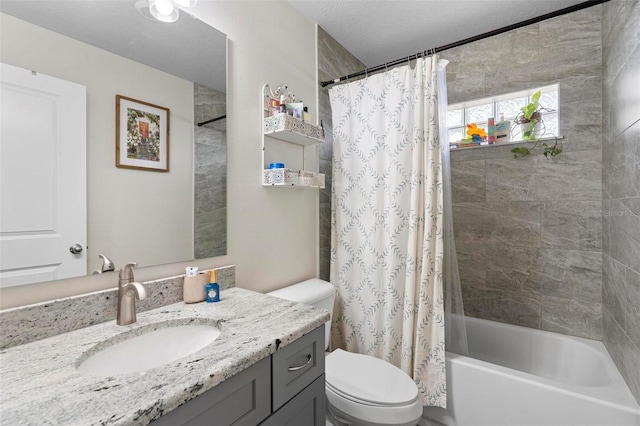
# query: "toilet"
x,y
361,390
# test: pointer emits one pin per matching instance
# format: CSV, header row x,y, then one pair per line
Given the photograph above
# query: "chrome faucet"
x,y
128,292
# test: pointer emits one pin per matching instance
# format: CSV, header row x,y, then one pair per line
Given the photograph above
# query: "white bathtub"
x,y
517,376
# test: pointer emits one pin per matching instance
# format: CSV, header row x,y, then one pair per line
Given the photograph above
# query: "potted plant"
x,y
532,126
531,118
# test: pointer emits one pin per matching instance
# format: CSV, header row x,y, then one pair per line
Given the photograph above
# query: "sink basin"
x,y
150,350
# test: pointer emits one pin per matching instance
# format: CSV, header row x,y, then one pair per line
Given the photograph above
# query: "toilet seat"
x,y
371,389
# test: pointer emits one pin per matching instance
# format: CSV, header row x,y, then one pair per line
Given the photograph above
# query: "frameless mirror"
x,y
112,49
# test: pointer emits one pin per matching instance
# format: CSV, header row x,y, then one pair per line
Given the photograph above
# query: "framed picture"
x,y
142,135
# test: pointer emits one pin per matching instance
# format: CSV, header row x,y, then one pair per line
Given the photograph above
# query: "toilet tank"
x,y
316,292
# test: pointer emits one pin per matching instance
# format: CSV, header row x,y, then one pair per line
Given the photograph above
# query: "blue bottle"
x,y
213,289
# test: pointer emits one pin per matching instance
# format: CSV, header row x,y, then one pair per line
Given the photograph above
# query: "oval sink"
x,y
149,350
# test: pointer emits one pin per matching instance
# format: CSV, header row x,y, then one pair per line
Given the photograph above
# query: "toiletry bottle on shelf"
x,y
213,289
503,130
305,114
274,106
491,129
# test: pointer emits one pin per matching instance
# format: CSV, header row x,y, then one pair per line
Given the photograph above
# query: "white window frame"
x,y
494,108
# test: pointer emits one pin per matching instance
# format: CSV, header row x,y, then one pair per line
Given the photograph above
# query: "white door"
x,y
42,178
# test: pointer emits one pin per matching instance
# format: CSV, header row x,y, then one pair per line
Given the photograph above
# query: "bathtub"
x,y
517,376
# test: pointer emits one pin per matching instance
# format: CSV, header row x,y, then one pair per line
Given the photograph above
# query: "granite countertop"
x,y
40,383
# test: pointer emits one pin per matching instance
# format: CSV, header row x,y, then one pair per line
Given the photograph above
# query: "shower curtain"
x,y
387,222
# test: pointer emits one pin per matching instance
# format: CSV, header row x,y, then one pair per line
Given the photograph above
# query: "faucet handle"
x,y
107,264
126,272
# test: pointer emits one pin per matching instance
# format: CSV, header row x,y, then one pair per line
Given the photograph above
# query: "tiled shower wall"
x,y
621,187
528,231
333,61
210,151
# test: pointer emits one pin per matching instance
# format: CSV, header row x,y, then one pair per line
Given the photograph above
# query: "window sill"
x,y
459,146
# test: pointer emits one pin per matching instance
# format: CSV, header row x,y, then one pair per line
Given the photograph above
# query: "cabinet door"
x,y
308,408
242,400
297,365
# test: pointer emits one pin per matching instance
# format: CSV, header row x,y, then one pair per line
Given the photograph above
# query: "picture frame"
x,y
142,135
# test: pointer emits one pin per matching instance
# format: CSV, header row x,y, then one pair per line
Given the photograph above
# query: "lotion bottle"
x,y
503,130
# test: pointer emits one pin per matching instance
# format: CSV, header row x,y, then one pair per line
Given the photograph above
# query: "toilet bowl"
x,y
361,390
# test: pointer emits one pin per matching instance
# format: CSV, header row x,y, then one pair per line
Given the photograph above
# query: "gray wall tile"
x,y
511,180
570,316
513,307
512,268
572,225
621,187
472,264
537,225
468,181
625,108
570,176
501,223
210,168
624,352
333,61
572,274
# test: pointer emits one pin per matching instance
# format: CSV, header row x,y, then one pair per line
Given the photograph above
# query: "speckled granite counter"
x,y
40,384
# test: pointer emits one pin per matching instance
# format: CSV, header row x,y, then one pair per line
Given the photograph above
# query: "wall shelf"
x,y
291,178
292,130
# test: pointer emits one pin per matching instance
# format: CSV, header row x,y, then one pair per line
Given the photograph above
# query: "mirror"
x,y
112,49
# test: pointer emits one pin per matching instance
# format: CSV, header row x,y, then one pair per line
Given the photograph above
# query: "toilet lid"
x,y
369,380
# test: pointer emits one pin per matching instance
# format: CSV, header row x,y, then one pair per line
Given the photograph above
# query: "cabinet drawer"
x,y
295,366
307,408
242,400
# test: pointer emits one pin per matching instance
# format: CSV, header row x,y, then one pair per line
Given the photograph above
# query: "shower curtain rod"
x,y
429,52
212,120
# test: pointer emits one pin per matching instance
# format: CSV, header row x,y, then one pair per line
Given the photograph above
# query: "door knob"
x,y
75,249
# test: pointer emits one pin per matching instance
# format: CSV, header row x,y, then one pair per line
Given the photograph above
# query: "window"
x,y
480,110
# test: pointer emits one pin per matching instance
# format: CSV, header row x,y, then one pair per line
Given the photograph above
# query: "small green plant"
x,y
531,116
532,107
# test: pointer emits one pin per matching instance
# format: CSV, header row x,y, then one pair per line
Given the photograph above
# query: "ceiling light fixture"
x,y
185,3
163,10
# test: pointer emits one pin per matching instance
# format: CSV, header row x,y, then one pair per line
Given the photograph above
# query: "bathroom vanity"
x,y
266,367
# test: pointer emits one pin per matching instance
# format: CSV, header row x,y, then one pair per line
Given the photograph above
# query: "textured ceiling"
x,y
377,31
188,48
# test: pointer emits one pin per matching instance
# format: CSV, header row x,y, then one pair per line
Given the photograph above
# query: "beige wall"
x,y
272,233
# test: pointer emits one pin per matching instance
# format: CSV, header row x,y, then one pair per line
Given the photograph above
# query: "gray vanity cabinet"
x,y
297,381
286,388
305,409
296,366
242,400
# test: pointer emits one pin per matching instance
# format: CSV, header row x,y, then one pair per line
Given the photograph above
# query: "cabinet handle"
x,y
300,367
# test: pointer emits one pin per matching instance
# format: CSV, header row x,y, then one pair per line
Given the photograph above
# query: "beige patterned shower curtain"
x,y
387,222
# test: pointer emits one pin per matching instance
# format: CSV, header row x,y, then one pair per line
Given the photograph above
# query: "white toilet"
x,y
361,390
